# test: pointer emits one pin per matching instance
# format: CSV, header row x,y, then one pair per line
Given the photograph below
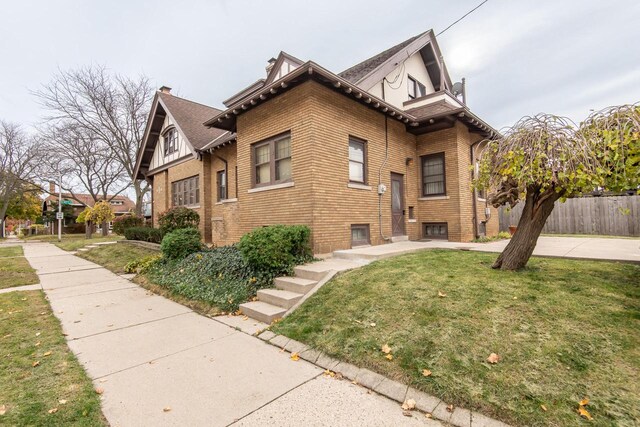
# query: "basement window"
x,y
435,230
360,235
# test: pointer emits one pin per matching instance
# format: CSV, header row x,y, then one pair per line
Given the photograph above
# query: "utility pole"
x,y
60,209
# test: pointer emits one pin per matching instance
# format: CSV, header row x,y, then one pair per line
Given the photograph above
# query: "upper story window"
x,y
170,141
415,88
186,192
272,161
433,175
221,184
357,161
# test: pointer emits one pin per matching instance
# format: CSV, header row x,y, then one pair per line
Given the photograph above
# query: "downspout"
x,y
380,190
475,192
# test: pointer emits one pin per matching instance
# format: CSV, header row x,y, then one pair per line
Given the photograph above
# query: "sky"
x,y
518,57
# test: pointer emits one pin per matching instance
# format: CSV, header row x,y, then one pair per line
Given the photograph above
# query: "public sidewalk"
x,y
149,354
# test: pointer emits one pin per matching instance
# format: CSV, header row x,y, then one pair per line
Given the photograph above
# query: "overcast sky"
x,y
519,57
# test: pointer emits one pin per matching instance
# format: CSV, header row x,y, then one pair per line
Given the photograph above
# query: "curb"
x,y
391,389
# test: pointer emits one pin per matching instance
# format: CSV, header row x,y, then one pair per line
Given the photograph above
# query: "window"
x,y
186,192
433,176
170,141
415,88
357,161
272,161
435,230
412,214
221,180
359,234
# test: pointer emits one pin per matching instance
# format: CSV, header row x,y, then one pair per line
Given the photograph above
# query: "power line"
x,y
462,17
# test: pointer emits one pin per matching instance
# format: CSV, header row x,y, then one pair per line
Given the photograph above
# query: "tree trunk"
x,y
141,187
105,228
536,210
88,229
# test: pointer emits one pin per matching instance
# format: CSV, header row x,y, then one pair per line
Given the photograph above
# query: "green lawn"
x,y
115,257
564,330
30,335
73,242
15,269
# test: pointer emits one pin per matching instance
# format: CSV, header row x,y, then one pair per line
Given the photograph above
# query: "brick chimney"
x,y
52,187
165,89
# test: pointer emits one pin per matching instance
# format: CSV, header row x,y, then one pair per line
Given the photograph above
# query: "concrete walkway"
x,y
149,354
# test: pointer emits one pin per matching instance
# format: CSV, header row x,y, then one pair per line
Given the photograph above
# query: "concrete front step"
x,y
262,311
395,239
318,270
295,284
284,299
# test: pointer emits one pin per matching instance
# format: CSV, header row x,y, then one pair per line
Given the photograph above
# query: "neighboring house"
x,y
77,203
380,152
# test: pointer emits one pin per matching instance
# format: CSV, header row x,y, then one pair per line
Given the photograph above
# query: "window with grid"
x,y
186,192
357,161
221,180
435,230
170,142
433,175
272,161
359,234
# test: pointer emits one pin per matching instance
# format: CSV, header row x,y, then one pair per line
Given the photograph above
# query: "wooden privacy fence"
x,y
605,215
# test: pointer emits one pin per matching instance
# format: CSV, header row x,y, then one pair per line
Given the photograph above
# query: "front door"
x,y
397,205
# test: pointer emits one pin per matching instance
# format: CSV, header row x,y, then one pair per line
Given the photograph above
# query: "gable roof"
x,y
359,71
372,70
82,199
188,117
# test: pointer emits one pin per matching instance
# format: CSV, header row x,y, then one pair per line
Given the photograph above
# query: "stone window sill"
x,y
222,202
434,198
358,186
271,187
412,220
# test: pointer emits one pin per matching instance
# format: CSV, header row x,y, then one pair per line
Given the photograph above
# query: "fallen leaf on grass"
x,y
99,390
38,334
584,402
409,404
441,294
426,373
23,299
62,401
372,324
48,353
37,344
52,410
386,349
295,357
544,408
166,408
584,413
493,358
36,363
389,356
3,409
7,336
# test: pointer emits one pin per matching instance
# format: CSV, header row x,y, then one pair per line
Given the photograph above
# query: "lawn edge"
x,y
382,385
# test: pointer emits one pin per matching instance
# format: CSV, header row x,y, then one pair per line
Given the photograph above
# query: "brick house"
x,y
383,151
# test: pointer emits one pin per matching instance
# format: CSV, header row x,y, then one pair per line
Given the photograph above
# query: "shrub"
x,y
146,234
180,243
276,249
142,265
178,218
121,223
221,276
504,235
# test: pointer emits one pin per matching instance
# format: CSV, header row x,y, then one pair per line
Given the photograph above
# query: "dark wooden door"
x,y
397,205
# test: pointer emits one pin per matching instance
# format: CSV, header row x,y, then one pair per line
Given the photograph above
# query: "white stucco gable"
x,y
159,158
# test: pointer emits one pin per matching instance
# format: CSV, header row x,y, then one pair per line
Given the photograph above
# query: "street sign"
x,y
59,215
66,202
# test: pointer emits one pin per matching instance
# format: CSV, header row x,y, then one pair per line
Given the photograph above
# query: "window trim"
x,y
444,174
219,196
176,148
365,159
183,181
424,230
272,160
416,84
367,231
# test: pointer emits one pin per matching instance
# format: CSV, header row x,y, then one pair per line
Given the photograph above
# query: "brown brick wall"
x,y
224,218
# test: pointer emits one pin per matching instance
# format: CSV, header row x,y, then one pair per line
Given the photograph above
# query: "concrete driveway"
x,y
148,353
592,248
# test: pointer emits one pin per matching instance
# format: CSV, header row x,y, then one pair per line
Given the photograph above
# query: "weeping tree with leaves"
x,y
547,158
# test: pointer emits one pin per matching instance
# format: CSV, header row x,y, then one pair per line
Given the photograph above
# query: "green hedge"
x,y
121,223
277,248
146,234
180,243
178,218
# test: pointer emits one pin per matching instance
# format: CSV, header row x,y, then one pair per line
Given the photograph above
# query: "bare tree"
x,y
109,107
20,160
